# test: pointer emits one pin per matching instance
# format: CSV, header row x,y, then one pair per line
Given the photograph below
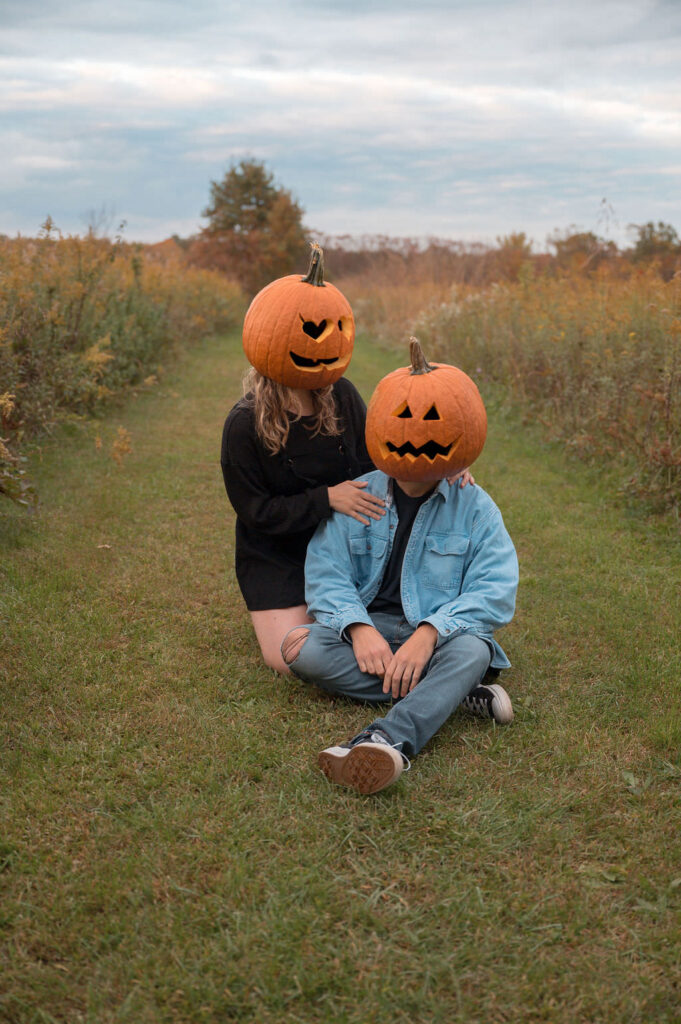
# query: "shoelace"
x,y
398,748
376,736
407,762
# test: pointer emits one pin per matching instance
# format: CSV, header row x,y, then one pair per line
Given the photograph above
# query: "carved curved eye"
x,y
403,412
432,414
345,326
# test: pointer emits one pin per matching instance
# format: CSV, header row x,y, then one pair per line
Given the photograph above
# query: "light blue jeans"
x,y
454,669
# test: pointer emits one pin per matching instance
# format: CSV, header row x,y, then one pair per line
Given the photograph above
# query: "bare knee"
x,y
293,643
275,661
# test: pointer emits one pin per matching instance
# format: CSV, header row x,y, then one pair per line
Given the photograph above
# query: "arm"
x,y
354,414
332,597
334,600
254,497
487,598
254,494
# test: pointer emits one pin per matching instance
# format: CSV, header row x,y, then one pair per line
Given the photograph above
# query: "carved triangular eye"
x,y
403,412
432,414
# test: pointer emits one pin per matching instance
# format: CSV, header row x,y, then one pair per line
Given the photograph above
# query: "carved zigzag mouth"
x,y
307,364
431,449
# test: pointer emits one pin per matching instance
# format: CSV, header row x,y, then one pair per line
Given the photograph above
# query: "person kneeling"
x,y
406,607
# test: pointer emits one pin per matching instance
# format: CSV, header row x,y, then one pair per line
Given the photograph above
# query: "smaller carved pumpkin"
x,y
300,331
425,421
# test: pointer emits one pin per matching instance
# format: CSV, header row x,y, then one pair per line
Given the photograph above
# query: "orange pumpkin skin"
x,y
300,331
425,424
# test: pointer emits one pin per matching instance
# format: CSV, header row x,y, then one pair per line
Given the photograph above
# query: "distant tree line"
x,y
445,260
255,233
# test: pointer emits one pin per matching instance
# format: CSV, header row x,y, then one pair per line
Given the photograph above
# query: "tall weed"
x,y
597,360
82,318
595,357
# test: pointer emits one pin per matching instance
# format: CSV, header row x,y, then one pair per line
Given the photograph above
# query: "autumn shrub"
x,y
387,298
596,359
82,318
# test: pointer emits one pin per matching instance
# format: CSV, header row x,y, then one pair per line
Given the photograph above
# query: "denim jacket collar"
x,y
441,489
460,570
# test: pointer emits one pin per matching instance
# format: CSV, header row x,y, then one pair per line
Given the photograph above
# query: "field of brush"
x,y
595,358
83,319
169,850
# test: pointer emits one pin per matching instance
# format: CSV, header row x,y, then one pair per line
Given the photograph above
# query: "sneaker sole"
x,y
502,707
368,767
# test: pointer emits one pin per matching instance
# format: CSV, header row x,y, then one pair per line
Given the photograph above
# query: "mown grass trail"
x,y
169,850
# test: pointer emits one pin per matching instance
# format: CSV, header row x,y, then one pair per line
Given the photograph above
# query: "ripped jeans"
x,y
454,669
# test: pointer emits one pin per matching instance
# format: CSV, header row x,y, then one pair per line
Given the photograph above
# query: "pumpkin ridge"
x,y
274,328
422,447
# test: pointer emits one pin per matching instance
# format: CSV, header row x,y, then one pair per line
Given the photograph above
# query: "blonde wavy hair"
x,y
272,402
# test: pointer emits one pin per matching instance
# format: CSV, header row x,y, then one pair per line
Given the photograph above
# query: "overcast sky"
x,y
463,119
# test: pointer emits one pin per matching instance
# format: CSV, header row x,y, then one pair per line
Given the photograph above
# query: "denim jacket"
x,y
460,570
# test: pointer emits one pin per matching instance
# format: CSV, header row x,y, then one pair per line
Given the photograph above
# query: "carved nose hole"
x,y
404,413
432,414
312,329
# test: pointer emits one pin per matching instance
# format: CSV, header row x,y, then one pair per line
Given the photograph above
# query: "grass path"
x,y
168,849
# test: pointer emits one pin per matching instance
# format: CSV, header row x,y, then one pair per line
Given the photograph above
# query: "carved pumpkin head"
x,y
425,421
300,331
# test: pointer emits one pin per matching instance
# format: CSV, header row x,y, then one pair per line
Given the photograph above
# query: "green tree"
x,y
255,231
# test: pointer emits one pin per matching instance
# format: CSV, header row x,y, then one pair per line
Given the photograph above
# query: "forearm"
x,y
330,593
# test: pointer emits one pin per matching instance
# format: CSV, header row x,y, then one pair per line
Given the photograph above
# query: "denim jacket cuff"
x,y
445,630
341,622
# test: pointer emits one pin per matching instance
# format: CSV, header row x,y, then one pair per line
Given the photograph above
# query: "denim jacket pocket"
x,y
367,554
443,561
367,546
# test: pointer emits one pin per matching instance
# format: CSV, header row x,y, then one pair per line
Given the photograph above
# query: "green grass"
x,y
169,849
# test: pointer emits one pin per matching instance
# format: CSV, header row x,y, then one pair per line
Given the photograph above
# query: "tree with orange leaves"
x,y
255,231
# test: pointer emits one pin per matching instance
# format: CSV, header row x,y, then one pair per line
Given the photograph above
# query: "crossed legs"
x,y
317,655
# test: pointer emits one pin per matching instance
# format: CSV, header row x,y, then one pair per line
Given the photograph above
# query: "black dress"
x,y
279,499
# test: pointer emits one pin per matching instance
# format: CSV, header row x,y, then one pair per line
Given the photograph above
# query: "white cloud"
x,y
459,114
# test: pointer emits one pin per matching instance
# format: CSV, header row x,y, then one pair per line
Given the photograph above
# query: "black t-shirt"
x,y
279,499
389,598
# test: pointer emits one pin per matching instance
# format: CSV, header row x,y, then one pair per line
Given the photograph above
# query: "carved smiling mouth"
x,y
309,364
431,449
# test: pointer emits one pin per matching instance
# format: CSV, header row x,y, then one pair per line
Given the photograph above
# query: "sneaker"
x,y
367,763
489,701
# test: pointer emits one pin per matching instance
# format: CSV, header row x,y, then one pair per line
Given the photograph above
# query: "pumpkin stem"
x,y
315,273
419,364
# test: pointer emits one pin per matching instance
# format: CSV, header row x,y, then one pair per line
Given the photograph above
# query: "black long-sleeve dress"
x,y
279,499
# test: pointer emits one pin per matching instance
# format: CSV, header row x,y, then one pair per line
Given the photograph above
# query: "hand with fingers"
x,y
352,499
371,650
406,665
464,477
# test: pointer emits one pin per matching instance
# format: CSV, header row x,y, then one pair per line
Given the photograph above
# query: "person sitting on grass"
x,y
405,607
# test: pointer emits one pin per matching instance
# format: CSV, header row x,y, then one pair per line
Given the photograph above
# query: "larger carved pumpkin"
x,y
300,331
425,421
